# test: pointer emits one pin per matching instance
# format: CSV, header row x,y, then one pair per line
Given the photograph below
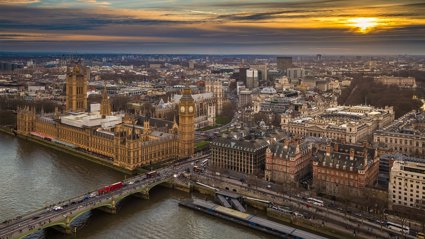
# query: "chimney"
x,y
328,150
352,154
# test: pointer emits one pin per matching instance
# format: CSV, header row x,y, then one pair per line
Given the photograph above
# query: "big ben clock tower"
x,y
186,124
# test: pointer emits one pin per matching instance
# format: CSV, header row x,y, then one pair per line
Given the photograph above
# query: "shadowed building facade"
x,y
243,156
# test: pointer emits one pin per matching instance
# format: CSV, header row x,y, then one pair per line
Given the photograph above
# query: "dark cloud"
x,y
65,19
285,4
271,15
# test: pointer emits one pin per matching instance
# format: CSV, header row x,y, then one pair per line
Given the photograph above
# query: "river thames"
x,y
33,176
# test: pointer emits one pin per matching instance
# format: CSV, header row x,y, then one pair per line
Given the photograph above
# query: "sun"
x,y
364,24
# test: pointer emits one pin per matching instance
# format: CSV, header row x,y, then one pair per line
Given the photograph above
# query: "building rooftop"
x,y
286,151
412,123
345,156
244,145
82,120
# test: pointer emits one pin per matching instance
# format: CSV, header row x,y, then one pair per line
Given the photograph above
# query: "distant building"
x,y
295,74
322,85
402,82
243,156
288,162
283,63
318,57
216,87
36,88
205,105
262,71
342,170
245,98
7,66
344,123
252,80
407,183
155,65
242,74
405,135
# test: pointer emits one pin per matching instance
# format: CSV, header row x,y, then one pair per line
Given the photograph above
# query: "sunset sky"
x,y
214,27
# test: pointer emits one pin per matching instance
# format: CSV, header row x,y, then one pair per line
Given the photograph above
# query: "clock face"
x,y
190,109
182,109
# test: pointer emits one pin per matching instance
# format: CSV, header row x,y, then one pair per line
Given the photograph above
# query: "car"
x,y
57,208
36,217
93,194
297,214
269,186
380,222
131,182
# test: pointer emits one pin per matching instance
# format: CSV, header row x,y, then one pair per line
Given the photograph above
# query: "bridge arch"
x,y
65,222
56,223
143,190
106,204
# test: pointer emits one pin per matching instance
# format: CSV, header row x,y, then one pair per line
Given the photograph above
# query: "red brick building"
x,y
343,170
288,162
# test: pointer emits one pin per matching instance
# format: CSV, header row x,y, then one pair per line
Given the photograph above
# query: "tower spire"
x,y
186,126
105,106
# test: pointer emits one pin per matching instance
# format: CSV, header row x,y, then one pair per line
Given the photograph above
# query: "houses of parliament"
x,y
126,141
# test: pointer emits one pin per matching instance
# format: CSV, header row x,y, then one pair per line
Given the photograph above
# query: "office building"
x,y
284,62
239,155
407,183
252,79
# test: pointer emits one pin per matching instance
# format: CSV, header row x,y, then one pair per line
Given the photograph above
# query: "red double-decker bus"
x,y
110,188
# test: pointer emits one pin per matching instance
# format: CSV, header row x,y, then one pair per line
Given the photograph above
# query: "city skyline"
x,y
219,27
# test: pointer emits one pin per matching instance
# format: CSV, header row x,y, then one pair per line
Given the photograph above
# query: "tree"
x,y
119,103
227,113
365,90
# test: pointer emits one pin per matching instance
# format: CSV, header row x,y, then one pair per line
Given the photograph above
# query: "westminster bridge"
x,y
60,216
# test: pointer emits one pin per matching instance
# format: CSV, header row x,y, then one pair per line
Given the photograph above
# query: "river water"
x,y
33,176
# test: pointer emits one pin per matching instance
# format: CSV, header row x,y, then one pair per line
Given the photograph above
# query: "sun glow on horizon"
x,y
364,24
